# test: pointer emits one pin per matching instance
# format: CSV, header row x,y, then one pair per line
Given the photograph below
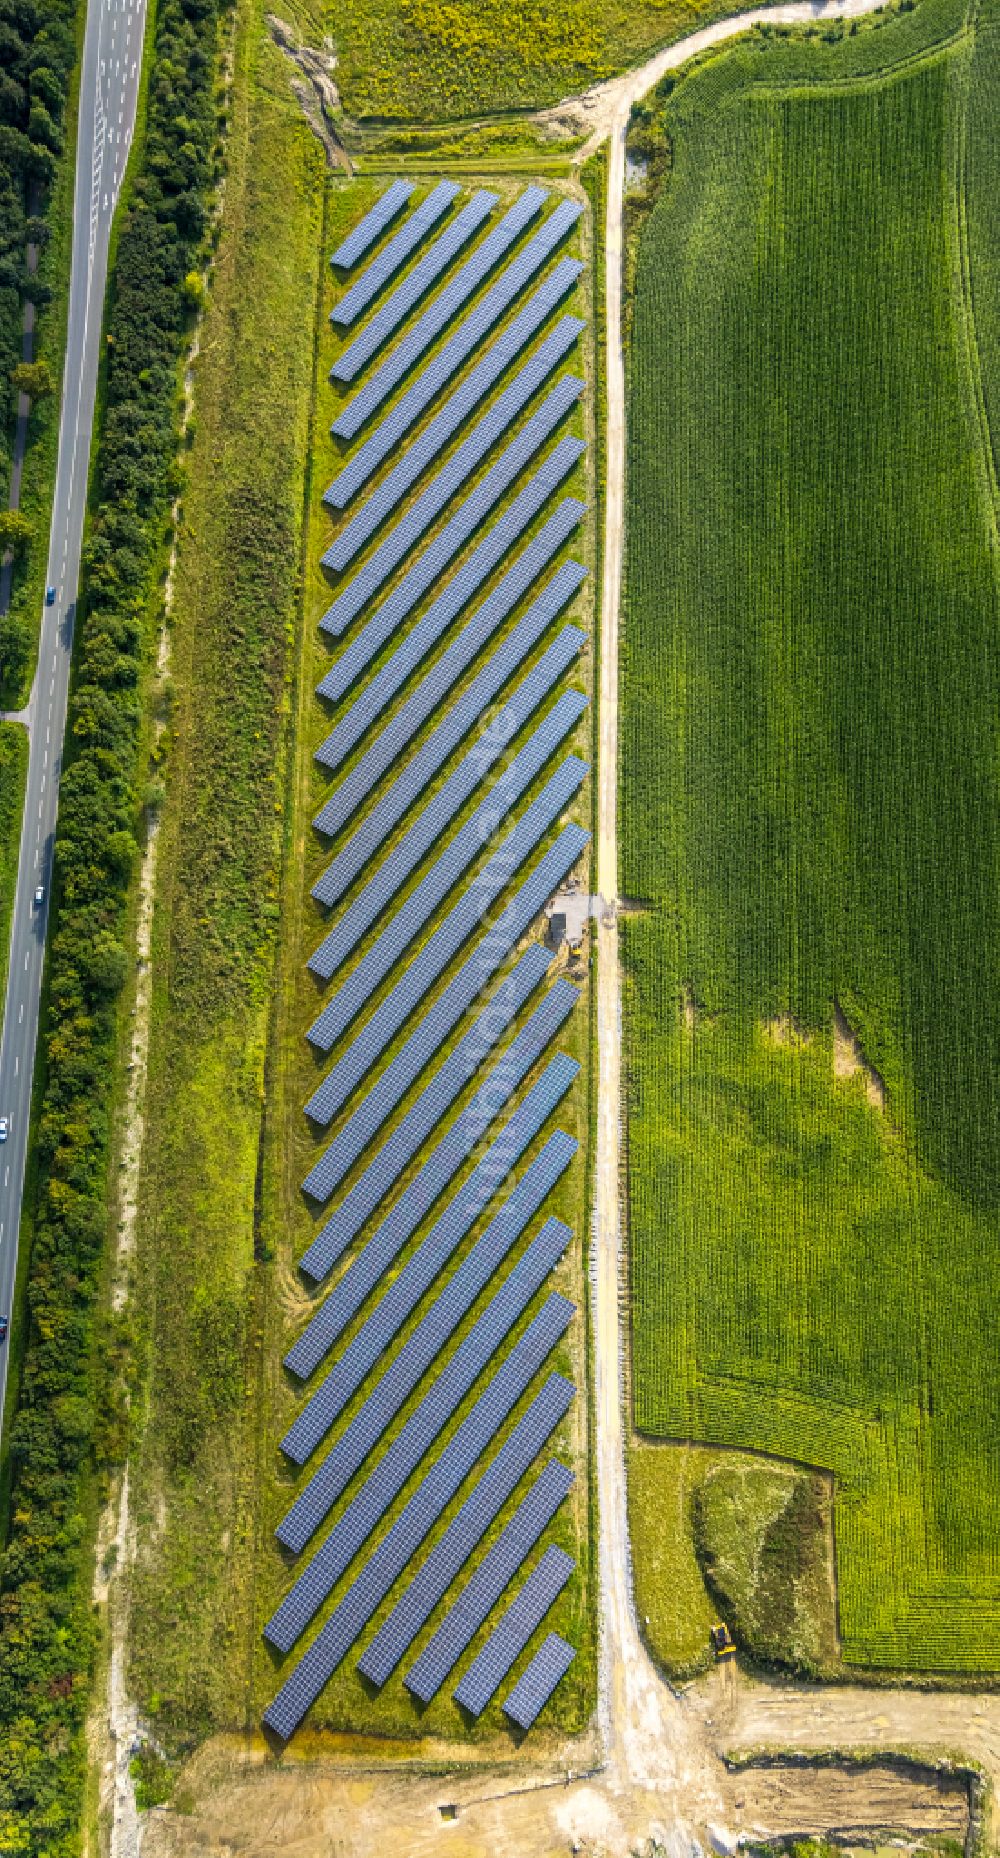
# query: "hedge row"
x,y
47,1632
36,60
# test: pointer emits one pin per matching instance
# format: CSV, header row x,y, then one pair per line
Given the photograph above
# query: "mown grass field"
x,y
223,1219
811,693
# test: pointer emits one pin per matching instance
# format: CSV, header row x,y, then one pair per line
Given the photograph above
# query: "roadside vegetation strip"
x,y
36,191
808,806
66,1420
13,773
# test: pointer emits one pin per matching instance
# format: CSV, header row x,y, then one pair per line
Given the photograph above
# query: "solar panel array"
x,y
536,1684
458,347
442,1400
367,1592
380,890
396,938
364,234
463,462
426,631
489,1581
457,593
451,1554
388,261
504,726
455,412
426,1264
419,1048
415,285
476,507
385,1245
436,317
427,1109
506,1643
353,1529
418,1374
467,984
441,679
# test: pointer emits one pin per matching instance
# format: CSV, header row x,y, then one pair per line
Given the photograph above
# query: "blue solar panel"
x,y
414,286
477,506
343,803
535,1686
465,915
396,800
375,221
392,256
506,1643
451,1554
494,1573
377,1104
458,347
457,593
396,1306
419,1354
388,880
455,294
418,1516
382,1172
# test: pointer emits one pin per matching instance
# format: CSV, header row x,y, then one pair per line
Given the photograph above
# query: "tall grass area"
x,y
809,802
425,60
215,928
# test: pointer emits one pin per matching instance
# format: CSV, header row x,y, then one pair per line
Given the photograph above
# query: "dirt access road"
x,y
657,1769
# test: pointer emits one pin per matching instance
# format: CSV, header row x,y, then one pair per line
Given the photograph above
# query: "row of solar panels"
x,y
433,1103
383,1567
458,925
455,596
372,1342
380,890
459,345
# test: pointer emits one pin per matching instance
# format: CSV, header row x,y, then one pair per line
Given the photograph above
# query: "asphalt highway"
x,y
109,83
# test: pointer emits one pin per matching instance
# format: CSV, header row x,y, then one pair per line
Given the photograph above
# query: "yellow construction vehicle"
x,y
723,1641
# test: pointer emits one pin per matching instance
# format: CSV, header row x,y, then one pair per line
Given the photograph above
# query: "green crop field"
x,y
809,801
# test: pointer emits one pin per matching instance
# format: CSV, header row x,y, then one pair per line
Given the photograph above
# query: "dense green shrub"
x,y
45,1616
36,58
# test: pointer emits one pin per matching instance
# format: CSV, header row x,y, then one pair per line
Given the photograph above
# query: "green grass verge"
x,y
809,801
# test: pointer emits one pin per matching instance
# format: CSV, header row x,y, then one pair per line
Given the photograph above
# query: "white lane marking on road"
x,y
21,1013
6,1179
26,959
